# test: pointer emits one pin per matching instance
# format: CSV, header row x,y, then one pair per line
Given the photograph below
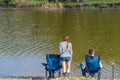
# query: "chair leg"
x,y
99,75
53,74
46,74
83,72
59,73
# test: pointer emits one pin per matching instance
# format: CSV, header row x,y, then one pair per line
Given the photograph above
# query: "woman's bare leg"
x,y
68,64
63,67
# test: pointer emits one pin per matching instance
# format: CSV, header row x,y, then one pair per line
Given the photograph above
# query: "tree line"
x,y
61,3
14,2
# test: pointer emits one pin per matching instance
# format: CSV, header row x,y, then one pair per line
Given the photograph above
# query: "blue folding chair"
x,y
53,65
92,66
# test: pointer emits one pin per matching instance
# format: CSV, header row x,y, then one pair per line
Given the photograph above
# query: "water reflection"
x,y
24,66
27,36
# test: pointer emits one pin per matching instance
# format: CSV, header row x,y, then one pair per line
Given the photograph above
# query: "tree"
x,y
6,2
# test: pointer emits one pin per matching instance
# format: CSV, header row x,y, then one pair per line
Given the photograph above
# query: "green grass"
x,y
80,78
34,4
60,78
75,78
113,1
68,4
92,5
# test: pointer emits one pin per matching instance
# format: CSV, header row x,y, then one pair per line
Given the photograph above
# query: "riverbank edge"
x,y
11,8
59,78
67,6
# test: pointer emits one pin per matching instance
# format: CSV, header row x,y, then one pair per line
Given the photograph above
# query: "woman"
x,y
65,49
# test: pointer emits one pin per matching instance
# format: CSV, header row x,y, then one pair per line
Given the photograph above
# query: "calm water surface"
x,y
26,36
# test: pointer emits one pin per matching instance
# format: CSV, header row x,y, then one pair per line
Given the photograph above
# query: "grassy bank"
x,y
81,78
75,78
60,78
93,5
57,4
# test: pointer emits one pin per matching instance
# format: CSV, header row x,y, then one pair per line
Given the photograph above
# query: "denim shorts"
x,y
67,59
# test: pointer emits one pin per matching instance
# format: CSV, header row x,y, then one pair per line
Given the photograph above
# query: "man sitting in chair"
x,y
91,65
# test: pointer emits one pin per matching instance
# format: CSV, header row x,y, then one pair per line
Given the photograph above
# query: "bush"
x,y
58,4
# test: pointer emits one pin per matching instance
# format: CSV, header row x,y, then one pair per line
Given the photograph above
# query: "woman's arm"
x,y
71,51
60,48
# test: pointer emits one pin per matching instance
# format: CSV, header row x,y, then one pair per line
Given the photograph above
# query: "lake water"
x,y
26,36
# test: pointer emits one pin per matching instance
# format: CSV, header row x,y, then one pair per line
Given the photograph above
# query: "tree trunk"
x,y
6,3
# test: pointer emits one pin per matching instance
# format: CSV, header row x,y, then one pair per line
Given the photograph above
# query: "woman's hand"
x,y
71,57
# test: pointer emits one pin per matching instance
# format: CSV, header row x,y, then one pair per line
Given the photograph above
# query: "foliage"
x,y
61,3
93,5
4,2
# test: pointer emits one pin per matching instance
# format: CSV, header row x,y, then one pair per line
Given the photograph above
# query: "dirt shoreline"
x,y
25,78
11,8
42,78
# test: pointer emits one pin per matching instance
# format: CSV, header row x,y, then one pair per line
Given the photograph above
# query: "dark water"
x,y
26,36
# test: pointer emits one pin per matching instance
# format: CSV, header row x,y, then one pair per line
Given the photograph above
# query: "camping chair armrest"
x,y
44,64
